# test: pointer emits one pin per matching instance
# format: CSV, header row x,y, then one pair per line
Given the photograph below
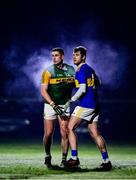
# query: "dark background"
x,y
30,29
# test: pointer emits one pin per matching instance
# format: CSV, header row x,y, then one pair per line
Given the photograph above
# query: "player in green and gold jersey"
x,y
56,89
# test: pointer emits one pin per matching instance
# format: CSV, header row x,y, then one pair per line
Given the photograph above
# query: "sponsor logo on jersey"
x,y
60,80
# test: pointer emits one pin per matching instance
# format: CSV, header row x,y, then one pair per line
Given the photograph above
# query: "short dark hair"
x,y
60,50
82,50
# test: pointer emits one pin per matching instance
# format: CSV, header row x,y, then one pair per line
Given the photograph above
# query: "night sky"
x,y
29,29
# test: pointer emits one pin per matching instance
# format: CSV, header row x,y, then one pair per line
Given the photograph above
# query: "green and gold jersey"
x,y
60,82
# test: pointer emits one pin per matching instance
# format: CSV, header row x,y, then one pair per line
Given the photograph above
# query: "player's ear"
x,y
83,58
62,56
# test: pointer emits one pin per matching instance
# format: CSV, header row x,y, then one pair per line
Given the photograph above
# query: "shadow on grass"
x,y
76,169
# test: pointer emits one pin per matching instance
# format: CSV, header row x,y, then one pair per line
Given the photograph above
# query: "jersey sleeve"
x,y
46,75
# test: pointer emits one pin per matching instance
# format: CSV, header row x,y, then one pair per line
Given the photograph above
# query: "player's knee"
x,y
48,135
70,128
63,132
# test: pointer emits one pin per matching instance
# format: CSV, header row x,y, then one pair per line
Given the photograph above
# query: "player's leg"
x,y
73,123
95,134
47,139
49,125
64,140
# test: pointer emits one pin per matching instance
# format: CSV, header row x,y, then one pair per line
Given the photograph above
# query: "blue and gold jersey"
x,y
86,75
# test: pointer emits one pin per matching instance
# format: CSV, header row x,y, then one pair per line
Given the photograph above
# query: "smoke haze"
x,y
109,64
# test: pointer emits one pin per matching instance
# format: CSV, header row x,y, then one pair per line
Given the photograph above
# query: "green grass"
x,y
25,161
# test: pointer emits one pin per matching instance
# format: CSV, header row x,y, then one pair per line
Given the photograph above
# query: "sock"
x,y
47,155
74,154
105,157
64,156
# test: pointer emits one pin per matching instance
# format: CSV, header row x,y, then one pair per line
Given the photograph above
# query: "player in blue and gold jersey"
x,y
57,83
88,109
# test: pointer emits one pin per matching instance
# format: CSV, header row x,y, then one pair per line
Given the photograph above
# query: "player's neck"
x,y
60,66
79,65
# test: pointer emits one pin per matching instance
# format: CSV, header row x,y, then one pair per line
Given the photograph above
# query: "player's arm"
x,y
76,96
82,88
97,81
79,93
44,92
44,86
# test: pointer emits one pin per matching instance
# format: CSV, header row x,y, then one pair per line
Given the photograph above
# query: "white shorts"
x,y
87,114
50,114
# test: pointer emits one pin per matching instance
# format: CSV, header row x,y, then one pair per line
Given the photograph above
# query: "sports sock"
x,y
105,157
47,155
74,154
64,156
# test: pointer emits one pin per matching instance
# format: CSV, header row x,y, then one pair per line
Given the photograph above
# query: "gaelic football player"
x,y
88,109
56,89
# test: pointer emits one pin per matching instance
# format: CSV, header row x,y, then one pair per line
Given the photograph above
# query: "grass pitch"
x,y
25,161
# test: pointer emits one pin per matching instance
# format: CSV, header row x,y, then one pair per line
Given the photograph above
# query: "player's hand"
x,y
58,109
67,105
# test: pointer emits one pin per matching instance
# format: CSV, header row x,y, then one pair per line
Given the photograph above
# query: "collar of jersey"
x,y
63,68
79,66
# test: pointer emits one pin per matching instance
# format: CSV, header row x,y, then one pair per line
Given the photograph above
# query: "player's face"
x,y
56,57
77,58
